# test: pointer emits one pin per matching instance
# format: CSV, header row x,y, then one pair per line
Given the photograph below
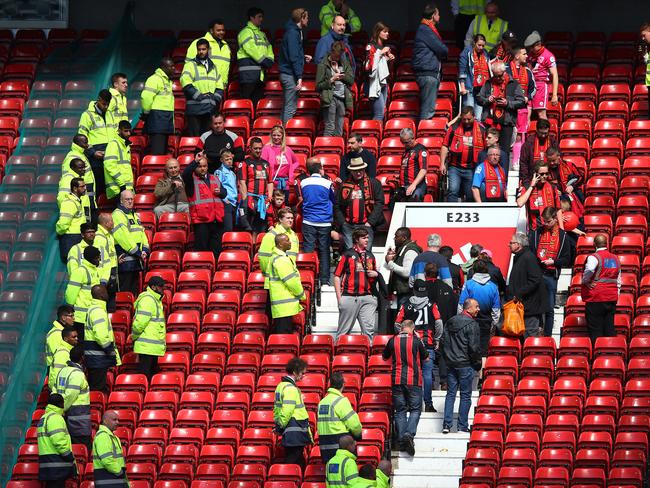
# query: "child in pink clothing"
x,y
542,64
282,161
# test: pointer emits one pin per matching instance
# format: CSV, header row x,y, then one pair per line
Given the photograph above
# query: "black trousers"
x,y
295,455
600,319
148,365
97,166
82,439
55,484
253,91
207,237
157,144
283,325
461,24
66,241
229,217
505,140
130,281
198,124
97,379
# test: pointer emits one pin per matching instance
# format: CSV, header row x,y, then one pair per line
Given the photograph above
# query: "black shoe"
x,y
408,445
446,429
467,431
430,408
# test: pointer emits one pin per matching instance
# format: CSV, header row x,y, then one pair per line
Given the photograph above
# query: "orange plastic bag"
x,y
513,318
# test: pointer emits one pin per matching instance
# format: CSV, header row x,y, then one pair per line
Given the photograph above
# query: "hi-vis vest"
x,y
290,415
117,107
335,418
55,459
219,54
265,252
605,279
73,386
149,331
108,459
99,130
285,287
77,293
205,206
117,167
471,7
157,93
492,34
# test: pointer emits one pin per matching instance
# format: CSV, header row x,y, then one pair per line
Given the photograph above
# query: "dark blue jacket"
x,y
292,54
428,52
325,45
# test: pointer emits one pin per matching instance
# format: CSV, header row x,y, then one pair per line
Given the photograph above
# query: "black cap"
x,y
508,36
420,288
156,281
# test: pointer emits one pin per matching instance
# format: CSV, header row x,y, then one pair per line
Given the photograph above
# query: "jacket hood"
x,y
481,278
419,302
457,325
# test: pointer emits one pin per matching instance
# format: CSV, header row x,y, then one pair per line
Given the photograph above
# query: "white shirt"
x,y
590,268
407,263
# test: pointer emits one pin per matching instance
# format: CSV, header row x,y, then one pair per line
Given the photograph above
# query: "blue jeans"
x,y
470,101
379,104
460,183
318,236
290,97
551,289
463,377
428,95
407,398
428,367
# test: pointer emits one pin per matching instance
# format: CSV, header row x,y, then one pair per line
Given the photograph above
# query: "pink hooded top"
x,y
275,156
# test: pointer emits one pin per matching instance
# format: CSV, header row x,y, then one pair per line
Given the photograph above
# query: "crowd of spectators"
x,y
442,314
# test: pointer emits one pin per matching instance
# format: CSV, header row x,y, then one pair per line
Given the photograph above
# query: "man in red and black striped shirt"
x,y
412,178
408,354
255,186
354,280
459,154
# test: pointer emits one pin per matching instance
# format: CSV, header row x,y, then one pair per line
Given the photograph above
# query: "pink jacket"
x,y
273,154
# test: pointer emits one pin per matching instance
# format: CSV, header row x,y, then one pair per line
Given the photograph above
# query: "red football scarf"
x,y
521,75
539,152
481,69
549,245
498,91
431,26
493,185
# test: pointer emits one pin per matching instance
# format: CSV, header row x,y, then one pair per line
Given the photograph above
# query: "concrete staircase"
x,y
438,458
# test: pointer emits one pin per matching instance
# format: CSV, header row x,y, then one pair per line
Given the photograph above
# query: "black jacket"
x,y
514,97
563,259
444,297
376,217
460,344
527,283
496,277
456,273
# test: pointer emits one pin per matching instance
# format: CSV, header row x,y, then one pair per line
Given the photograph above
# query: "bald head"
x,y
111,419
282,242
106,221
385,467
99,292
600,240
348,443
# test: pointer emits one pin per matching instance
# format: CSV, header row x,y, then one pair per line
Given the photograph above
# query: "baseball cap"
x,y
420,288
487,252
508,36
156,281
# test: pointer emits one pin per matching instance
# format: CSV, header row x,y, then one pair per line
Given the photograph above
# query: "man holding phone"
x,y
501,98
